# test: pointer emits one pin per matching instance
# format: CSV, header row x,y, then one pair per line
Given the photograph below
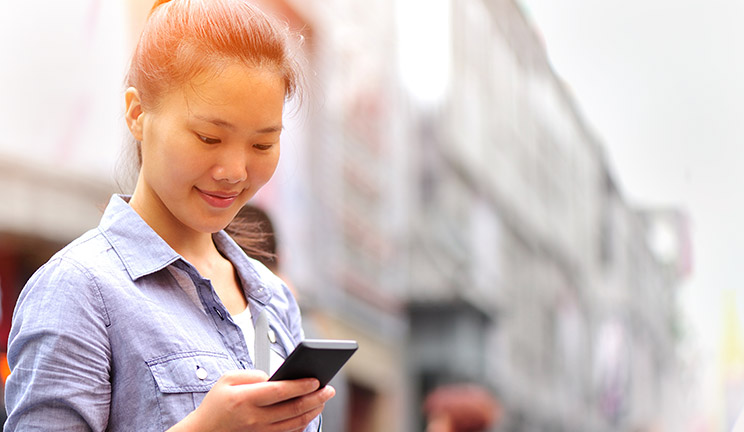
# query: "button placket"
x,y
229,332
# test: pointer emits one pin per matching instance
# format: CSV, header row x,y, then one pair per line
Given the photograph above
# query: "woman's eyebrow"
x,y
215,121
229,126
271,129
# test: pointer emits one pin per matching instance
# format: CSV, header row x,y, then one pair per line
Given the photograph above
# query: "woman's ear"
x,y
134,112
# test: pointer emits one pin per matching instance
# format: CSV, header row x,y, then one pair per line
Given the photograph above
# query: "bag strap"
x,y
261,343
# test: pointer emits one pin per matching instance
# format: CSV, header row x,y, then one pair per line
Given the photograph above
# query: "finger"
x,y
239,377
301,406
298,423
274,392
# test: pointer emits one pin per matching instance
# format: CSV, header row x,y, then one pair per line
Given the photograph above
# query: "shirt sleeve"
x,y
59,354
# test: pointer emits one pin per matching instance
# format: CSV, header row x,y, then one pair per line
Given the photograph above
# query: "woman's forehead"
x,y
239,97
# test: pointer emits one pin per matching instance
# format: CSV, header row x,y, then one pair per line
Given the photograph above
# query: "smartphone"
x,y
316,358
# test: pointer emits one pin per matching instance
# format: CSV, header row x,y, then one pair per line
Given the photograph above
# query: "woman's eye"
x,y
263,146
208,140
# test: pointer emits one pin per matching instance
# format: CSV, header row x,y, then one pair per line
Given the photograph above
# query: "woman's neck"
x,y
194,246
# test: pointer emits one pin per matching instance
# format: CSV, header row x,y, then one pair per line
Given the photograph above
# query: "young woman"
x,y
148,322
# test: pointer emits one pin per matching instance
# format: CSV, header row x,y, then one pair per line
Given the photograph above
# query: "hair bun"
x,y
158,3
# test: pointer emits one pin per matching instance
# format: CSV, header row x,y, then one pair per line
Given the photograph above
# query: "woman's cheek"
x,y
188,165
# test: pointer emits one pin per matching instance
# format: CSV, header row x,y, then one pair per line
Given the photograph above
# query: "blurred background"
x,y
538,198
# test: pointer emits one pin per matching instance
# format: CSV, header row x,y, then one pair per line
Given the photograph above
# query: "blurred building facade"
x,y
477,236
523,234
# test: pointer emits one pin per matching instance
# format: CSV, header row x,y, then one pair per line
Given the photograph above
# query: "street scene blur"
x,y
441,199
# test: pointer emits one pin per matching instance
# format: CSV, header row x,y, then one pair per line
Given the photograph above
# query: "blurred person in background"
x,y
152,321
461,408
253,230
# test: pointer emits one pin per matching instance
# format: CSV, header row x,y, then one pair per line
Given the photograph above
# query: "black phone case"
x,y
316,358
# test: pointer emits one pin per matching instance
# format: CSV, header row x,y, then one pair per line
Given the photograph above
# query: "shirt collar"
x,y
141,250
144,252
250,278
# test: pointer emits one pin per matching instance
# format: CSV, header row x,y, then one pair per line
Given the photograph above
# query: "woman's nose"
x,y
232,166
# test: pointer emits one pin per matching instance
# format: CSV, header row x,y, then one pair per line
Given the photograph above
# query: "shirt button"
x,y
201,373
272,336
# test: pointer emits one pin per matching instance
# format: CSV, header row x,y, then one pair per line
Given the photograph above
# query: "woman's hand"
x,y
246,401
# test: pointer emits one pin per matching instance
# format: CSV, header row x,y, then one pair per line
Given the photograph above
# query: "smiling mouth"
x,y
218,199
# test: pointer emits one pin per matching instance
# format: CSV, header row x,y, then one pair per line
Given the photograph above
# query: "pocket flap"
x,y
193,371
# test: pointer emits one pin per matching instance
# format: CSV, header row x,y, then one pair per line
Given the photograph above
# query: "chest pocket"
x,y
183,379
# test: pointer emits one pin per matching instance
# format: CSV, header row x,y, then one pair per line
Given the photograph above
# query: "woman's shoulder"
x,y
88,253
74,268
67,286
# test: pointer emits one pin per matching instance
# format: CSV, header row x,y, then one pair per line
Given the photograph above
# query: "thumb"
x,y
239,377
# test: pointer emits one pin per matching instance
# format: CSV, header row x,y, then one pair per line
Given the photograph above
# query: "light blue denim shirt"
x,y
109,334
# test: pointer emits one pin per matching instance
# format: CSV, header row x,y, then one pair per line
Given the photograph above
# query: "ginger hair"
x,y
184,38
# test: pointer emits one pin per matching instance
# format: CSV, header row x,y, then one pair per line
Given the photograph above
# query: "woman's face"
x,y
207,148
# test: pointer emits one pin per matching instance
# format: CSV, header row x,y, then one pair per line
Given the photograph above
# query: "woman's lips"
x,y
218,199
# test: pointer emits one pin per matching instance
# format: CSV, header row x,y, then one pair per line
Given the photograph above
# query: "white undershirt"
x,y
244,320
